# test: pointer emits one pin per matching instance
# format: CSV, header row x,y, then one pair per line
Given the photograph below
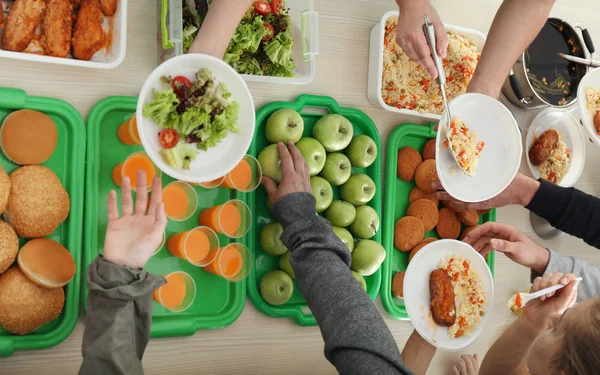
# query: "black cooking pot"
x,y
541,77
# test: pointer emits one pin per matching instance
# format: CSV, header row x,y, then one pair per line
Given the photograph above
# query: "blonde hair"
x,y
580,354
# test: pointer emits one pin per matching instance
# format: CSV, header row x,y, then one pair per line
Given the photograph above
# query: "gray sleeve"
x,y
118,318
357,340
589,287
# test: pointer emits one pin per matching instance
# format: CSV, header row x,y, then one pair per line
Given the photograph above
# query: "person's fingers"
x,y
486,250
462,366
408,50
555,280
126,199
141,204
438,186
481,242
297,157
160,218
270,187
476,356
455,370
441,39
425,59
112,207
537,282
156,196
468,362
567,296
504,246
287,164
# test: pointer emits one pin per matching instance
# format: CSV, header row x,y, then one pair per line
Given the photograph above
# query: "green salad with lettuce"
x,y
262,43
192,115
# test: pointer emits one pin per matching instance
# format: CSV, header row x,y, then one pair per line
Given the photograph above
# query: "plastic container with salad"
x,y
275,42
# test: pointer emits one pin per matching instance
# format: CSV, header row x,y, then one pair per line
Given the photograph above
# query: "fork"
x,y
526,297
537,132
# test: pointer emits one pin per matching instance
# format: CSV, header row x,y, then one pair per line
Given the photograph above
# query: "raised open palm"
x,y
132,238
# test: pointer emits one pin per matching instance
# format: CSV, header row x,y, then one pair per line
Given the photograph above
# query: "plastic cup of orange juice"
x,y
193,245
164,239
128,132
178,294
232,262
211,184
232,218
130,167
245,177
180,200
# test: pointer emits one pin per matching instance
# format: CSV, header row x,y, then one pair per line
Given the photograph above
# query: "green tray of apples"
x,y
341,148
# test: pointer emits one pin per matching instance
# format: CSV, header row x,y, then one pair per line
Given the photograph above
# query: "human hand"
x,y
467,365
295,174
537,312
521,191
132,238
508,240
410,35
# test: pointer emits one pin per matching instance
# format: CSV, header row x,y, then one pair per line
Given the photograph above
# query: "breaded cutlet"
x,y
38,203
24,306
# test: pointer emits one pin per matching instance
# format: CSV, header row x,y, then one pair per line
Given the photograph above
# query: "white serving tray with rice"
x,y
376,63
107,58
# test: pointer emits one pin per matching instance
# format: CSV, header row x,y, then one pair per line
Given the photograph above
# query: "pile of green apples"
x,y
330,154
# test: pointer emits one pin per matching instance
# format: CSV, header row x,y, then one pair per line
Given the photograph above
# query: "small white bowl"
x,y
216,161
591,79
417,296
572,136
498,162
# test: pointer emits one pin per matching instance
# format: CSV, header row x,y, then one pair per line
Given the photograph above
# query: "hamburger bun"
x,y
37,203
4,189
9,246
28,137
46,263
24,306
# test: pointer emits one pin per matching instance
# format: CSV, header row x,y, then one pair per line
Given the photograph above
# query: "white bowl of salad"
x,y
195,117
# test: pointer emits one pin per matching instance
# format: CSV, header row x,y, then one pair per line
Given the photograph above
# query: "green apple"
x,y
322,191
345,237
284,125
366,223
314,153
337,169
362,151
270,239
334,132
358,190
276,287
340,213
367,257
360,279
285,265
270,163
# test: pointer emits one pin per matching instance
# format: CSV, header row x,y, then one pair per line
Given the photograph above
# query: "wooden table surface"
x,y
256,344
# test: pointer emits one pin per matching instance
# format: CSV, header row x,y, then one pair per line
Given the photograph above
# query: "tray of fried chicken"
x,y
86,33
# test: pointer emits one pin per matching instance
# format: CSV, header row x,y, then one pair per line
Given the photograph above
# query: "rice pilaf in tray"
x,y
407,85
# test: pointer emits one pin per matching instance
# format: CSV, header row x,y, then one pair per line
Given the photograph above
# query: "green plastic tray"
x,y
68,164
311,108
218,303
396,203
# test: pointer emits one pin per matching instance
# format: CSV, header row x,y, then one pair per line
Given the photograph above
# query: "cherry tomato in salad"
x,y
270,32
262,7
168,138
178,82
276,6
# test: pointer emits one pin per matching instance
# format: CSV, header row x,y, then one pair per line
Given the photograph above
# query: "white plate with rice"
x,y
500,158
417,296
589,87
572,142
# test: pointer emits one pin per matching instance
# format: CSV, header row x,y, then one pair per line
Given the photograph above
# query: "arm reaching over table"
x,y
522,20
119,303
357,341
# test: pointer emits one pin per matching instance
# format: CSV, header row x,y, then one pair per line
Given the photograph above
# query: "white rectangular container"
x,y
376,63
103,59
305,33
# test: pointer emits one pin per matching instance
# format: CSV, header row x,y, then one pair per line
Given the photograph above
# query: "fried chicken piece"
x,y
109,7
442,298
543,146
76,3
21,24
57,28
88,36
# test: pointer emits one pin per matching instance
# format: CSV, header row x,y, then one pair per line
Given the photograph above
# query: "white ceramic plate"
x,y
417,297
216,161
591,79
498,162
563,122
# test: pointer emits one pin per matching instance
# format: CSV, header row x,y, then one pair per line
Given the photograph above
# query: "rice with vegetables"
x,y
593,99
407,85
556,166
464,145
469,296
